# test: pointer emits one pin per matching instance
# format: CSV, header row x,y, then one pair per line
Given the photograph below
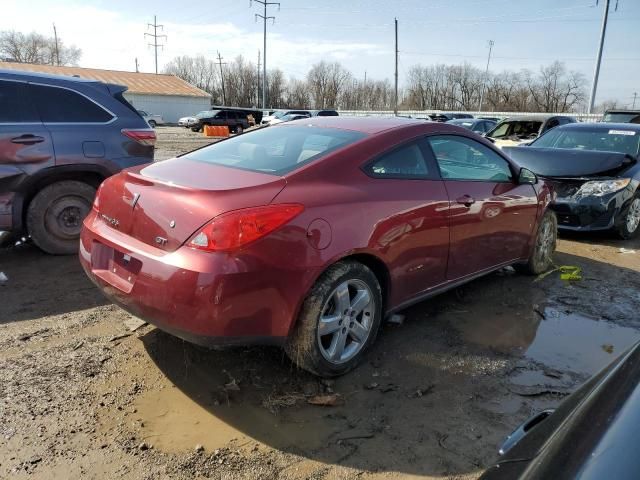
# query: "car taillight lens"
x,y
238,228
143,137
96,199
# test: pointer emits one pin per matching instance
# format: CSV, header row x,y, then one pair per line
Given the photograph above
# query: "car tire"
x,y
55,215
630,226
152,123
541,258
329,342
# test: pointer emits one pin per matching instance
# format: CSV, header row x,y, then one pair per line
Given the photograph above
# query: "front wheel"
x,y
152,123
338,322
541,258
629,227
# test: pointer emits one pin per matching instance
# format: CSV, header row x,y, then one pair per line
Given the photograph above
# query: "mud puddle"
x,y
566,341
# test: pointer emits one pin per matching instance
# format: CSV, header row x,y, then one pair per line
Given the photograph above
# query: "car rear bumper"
x,y
205,298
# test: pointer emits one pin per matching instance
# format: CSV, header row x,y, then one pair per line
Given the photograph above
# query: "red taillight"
x,y
96,199
238,228
143,137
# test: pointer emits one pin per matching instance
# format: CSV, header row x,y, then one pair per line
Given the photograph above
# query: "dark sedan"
x,y
477,125
595,172
592,435
307,234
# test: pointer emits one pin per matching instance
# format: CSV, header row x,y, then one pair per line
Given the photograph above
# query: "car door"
x,y
25,145
492,217
413,235
76,124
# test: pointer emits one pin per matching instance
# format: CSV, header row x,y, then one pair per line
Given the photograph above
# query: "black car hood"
x,y
558,162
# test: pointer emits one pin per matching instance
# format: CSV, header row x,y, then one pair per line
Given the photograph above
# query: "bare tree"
x,y
326,82
36,48
555,90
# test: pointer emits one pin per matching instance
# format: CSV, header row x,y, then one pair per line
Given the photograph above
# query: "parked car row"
x,y
279,116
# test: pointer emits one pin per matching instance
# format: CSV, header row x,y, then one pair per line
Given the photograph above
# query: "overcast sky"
x,y
358,33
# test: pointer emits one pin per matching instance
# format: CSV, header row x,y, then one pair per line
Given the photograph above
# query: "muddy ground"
x,y
83,396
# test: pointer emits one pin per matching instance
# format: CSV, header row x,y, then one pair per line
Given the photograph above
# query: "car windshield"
x,y
207,113
622,117
517,129
600,139
275,150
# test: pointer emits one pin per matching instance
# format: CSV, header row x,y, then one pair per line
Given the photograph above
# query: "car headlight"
x,y
604,187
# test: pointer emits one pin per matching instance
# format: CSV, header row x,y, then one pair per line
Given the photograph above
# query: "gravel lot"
x,y
84,396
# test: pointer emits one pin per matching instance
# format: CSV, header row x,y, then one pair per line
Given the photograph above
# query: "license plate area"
x,y
117,268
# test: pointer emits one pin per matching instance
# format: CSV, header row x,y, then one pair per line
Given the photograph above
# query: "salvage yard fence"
x,y
581,117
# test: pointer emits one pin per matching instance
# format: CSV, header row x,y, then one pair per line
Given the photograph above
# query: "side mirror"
x,y
527,177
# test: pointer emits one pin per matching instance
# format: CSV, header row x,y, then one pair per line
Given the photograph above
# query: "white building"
x,y
166,95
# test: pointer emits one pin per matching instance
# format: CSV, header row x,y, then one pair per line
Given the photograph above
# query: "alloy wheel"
x,y
345,321
545,240
633,215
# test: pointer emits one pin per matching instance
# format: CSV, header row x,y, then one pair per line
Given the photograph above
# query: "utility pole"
x,y
635,95
264,17
486,74
258,85
224,96
596,73
137,70
395,97
55,36
155,36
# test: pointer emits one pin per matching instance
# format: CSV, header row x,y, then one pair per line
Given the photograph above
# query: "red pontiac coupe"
x,y
307,234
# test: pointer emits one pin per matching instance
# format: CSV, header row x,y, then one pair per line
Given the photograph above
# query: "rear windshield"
x,y
622,117
275,150
517,130
604,140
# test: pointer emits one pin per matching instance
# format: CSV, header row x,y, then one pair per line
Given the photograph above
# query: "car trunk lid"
x,y
164,204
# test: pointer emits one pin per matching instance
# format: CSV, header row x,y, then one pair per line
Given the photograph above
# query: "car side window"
x,y
461,158
14,105
403,162
61,105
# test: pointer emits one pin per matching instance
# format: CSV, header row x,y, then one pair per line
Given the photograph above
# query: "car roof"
x,y
601,126
43,76
370,125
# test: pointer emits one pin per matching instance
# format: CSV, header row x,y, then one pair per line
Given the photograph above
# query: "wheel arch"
x,y
368,259
90,174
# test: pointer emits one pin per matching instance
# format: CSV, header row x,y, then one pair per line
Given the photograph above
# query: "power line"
x,y
155,36
264,17
220,63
